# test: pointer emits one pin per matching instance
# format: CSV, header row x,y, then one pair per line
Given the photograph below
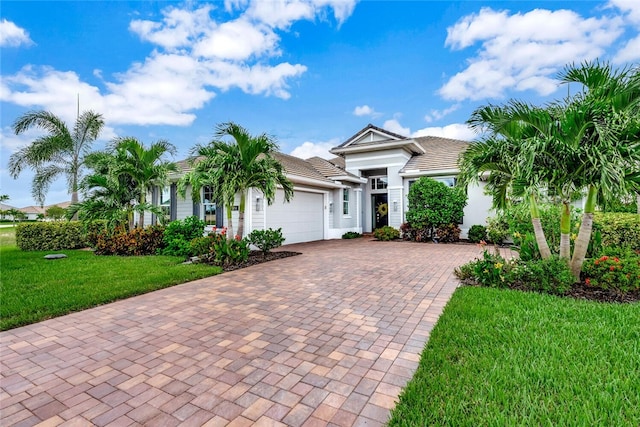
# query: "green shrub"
x,y
477,233
50,236
265,240
617,269
497,230
551,275
618,229
228,251
433,204
139,241
201,246
526,246
351,235
447,233
93,228
179,234
386,233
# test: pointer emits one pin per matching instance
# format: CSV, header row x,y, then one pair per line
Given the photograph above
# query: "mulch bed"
x,y
582,291
256,257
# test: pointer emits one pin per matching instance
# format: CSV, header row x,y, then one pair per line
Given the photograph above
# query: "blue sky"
x,y
309,72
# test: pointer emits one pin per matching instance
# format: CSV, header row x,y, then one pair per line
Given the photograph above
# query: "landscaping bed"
x,y
257,257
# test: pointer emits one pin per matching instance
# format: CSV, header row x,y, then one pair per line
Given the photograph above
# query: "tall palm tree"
x,y
232,167
509,154
145,166
589,141
59,152
605,151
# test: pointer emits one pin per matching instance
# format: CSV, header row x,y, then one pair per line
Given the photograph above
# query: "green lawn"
x,y
508,358
34,289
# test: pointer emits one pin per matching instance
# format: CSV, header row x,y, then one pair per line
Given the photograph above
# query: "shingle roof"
x,y
328,169
339,162
440,153
299,167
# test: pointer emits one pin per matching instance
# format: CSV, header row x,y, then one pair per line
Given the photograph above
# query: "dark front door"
x,y
380,210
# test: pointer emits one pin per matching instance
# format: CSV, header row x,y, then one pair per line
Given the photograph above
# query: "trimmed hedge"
x,y
618,229
50,236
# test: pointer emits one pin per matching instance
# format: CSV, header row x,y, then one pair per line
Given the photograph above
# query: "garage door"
x,y
301,219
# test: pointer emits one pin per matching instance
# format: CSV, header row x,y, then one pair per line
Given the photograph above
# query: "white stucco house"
x,y
364,187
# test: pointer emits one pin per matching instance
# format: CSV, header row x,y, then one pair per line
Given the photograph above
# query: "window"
x,y
379,183
165,201
209,206
345,201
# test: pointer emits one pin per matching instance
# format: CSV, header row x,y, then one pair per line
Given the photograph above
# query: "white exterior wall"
x,y
395,207
478,208
184,205
257,210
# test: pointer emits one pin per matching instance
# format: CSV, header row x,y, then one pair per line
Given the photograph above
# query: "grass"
x,y
35,289
509,358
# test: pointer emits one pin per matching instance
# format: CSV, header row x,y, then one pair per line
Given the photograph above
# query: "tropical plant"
x,y
590,141
235,166
145,166
59,152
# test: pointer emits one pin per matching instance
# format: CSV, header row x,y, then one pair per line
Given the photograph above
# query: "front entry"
x,y
380,205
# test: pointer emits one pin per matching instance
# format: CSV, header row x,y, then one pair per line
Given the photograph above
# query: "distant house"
x,y
34,212
364,187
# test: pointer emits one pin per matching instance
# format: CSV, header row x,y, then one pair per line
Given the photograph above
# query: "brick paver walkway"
x,y
325,338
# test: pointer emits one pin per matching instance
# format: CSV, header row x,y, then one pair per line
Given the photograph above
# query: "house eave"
x,y
431,172
313,182
409,145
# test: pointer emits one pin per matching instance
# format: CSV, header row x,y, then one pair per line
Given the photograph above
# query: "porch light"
x,y
395,206
258,204
330,207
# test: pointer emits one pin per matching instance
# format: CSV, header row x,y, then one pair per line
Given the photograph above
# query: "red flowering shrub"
x,y
621,272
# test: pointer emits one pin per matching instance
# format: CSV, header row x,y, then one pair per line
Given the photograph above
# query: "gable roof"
x,y
440,154
371,129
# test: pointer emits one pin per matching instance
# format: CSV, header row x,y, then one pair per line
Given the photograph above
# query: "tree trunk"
x,y
241,208
638,202
584,235
565,231
143,199
229,221
541,240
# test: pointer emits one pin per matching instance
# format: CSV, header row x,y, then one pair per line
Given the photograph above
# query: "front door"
x,y
380,206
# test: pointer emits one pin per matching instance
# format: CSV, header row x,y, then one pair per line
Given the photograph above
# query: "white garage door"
x,y
301,219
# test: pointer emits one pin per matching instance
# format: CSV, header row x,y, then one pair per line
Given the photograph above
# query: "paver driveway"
x,y
325,338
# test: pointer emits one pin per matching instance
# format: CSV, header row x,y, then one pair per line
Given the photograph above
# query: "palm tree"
x,y
590,141
510,155
233,167
145,166
605,149
59,152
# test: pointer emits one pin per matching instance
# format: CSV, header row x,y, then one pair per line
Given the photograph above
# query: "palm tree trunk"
x,y
584,235
241,208
565,231
229,221
143,199
541,240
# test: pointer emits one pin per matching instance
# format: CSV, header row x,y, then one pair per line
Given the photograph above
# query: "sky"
x,y
310,73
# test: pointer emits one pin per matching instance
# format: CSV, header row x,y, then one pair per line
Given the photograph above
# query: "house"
x,y
364,187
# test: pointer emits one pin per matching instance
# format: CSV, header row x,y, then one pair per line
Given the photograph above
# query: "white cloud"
x,y
311,149
453,131
439,114
195,57
630,7
394,126
13,36
629,53
365,110
523,51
